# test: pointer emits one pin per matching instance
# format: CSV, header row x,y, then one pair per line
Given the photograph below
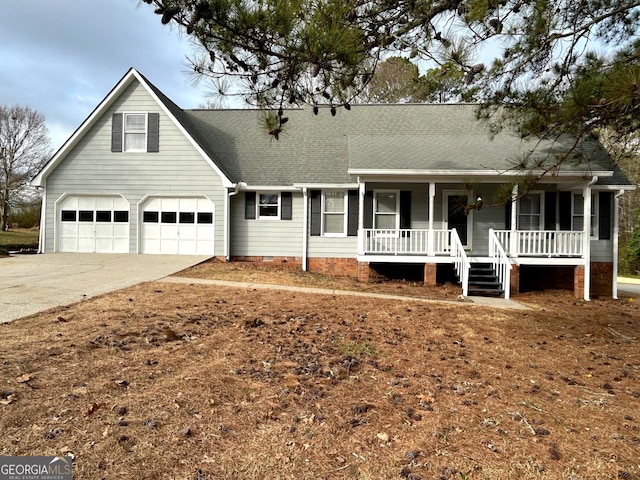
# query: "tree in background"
x,y
24,147
398,80
292,52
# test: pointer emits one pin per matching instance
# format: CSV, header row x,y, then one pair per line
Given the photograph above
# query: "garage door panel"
x,y
176,227
88,224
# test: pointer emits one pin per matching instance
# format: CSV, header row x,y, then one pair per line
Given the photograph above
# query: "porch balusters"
x,y
501,263
461,261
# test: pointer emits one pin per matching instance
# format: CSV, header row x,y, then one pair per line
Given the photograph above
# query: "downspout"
x,y
305,229
587,238
361,237
227,220
616,232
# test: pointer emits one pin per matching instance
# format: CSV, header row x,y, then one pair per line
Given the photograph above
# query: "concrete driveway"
x,y
32,283
629,286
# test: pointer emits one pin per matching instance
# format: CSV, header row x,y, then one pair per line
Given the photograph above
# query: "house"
x,y
406,186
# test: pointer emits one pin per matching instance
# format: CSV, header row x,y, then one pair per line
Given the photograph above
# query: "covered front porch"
x,y
442,223
491,273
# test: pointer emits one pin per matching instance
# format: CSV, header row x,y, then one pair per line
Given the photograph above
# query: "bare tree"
x,y
24,147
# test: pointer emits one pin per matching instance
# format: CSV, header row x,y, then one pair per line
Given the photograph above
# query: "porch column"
x,y
586,246
616,231
513,241
361,191
432,201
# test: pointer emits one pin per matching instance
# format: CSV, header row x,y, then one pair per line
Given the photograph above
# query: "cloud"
x,y
62,57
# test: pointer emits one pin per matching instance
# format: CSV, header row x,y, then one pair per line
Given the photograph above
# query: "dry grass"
x,y
180,381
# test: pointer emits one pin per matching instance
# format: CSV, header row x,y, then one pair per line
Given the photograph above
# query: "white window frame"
x,y
397,212
125,132
279,206
344,213
578,199
540,194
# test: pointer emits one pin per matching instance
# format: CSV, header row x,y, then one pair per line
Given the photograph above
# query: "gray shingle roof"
x,y
323,148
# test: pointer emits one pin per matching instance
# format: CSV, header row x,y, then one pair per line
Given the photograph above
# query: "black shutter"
x,y
116,132
316,212
507,215
153,132
250,205
550,210
286,205
352,213
405,209
368,210
565,210
604,214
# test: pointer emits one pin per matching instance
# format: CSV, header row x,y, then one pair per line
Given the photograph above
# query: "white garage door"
x,y
178,226
93,224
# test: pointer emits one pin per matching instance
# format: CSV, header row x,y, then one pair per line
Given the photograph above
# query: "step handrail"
x,y
501,263
461,261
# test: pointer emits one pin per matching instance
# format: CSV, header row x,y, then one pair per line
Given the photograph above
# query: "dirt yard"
x,y
198,382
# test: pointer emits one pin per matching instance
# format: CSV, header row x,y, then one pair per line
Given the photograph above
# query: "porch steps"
x,y
483,281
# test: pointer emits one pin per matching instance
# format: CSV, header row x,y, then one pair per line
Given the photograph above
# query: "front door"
x,y
457,215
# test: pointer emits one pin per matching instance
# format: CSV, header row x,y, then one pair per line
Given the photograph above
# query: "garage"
x,y
93,224
183,225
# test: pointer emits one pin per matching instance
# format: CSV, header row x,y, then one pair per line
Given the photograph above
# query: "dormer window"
x,y
136,132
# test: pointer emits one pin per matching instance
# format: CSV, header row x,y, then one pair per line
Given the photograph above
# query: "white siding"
x,y
177,170
266,237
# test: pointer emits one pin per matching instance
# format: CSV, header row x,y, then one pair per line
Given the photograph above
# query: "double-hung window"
x,y
386,208
334,213
135,132
269,205
530,212
577,214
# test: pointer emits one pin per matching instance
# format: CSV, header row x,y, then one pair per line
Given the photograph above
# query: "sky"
x,y
62,57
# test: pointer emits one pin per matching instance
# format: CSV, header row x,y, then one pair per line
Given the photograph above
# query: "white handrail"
x,y
461,261
500,263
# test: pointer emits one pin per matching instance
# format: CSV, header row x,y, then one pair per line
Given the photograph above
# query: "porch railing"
x,y
519,243
545,243
405,241
461,261
501,263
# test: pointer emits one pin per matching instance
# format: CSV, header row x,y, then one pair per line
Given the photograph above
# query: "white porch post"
x,y
513,241
305,229
586,249
616,232
361,237
432,201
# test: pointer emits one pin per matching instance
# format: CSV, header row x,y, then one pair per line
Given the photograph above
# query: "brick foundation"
x,y
515,279
364,272
430,273
578,281
601,279
339,267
